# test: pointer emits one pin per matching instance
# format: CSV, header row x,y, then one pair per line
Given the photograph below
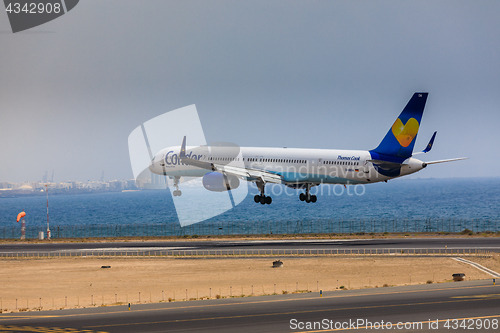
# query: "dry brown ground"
x,y
76,282
491,263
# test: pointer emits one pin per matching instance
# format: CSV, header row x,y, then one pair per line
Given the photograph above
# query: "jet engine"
x,y
216,182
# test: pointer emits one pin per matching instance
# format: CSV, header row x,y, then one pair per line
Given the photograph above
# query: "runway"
x,y
419,245
422,306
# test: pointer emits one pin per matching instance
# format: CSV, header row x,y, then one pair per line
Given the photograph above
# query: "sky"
x,y
305,74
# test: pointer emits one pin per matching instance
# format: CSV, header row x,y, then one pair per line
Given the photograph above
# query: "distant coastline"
x,y
35,189
15,193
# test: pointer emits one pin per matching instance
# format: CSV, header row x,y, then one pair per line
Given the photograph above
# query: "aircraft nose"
x,y
152,166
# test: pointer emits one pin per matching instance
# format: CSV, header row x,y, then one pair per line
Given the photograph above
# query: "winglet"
x,y
429,145
182,153
191,161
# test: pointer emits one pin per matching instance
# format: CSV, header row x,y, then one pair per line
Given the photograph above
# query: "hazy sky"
x,y
310,74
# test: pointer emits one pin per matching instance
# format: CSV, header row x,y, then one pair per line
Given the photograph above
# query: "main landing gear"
x,y
308,197
262,198
177,192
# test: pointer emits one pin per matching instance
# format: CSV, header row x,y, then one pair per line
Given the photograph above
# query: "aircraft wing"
x,y
248,174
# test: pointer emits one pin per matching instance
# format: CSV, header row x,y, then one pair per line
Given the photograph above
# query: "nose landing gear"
x,y
177,192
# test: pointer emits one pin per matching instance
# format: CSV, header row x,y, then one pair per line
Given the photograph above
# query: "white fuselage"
x,y
294,165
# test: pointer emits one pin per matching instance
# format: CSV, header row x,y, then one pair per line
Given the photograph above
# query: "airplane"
x,y
222,167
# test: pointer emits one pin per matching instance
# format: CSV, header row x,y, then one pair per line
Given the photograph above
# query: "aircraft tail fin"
x,y
398,143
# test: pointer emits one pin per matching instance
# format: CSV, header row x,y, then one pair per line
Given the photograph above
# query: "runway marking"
x,y
282,313
300,241
125,249
29,316
480,267
416,322
493,296
13,328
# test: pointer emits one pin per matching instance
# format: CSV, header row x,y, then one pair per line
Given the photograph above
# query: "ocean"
x,y
403,205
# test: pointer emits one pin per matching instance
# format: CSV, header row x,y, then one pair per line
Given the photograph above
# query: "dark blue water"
x,y
399,205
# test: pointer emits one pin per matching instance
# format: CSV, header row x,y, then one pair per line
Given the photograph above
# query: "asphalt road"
x,y
472,304
356,245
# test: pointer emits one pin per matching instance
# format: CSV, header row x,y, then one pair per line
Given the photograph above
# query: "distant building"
x,y
131,184
8,185
70,186
26,187
115,185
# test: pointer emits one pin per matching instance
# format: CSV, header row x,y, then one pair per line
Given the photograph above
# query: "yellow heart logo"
x,y
405,133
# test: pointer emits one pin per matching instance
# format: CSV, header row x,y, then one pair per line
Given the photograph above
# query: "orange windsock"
x,y
20,215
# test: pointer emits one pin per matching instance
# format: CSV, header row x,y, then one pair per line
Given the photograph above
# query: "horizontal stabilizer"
x,y
443,161
385,164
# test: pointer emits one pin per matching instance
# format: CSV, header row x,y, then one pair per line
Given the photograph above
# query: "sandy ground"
x,y
81,282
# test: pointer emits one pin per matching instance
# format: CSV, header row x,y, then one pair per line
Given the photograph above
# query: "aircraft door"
x,y
366,166
314,165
